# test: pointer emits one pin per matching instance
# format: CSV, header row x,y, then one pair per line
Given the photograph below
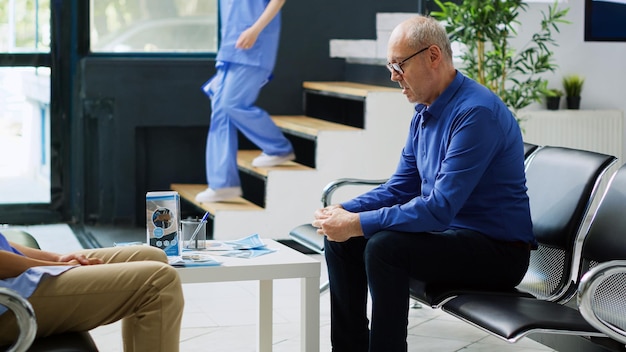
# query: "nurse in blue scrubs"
x,y
246,58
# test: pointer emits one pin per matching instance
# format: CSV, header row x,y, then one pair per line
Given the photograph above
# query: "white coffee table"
x,y
285,263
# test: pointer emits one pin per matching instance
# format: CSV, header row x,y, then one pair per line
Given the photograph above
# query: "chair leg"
x,y
324,287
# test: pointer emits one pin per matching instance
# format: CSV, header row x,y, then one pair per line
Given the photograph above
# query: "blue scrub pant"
x,y
388,260
233,92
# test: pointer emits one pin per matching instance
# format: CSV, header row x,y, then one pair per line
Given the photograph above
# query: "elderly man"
x,y
454,212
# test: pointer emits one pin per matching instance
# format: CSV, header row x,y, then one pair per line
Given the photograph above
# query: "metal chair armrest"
x,y
601,298
306,234
330,188
25,316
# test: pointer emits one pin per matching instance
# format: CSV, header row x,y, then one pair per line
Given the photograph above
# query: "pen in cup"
x,y
197,230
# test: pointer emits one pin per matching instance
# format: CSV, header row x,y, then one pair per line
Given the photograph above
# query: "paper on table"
x,y
250,242
193,259
247,253
247,247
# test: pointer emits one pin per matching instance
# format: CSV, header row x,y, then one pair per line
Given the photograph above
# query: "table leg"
x,y
310,314
264,338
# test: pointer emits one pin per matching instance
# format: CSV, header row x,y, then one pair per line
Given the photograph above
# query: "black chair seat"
x,y
437,294
307,236
66,342
512,318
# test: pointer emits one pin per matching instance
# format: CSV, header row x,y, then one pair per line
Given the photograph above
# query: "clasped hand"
x,y
337,223
78,259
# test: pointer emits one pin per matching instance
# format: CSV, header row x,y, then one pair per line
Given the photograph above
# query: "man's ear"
x,y
435,55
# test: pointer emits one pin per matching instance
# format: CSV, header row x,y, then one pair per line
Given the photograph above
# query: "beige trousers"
x,y
136,285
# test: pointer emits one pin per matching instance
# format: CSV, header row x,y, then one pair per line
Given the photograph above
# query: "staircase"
x,y
347,130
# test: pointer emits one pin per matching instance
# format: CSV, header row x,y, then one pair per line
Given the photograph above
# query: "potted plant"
x,y
485,29
573,85
553,98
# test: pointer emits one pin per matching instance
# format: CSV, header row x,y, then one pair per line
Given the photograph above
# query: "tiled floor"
x,y
222,317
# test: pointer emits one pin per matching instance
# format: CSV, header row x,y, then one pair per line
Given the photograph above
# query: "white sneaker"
x,y
218,195
265,160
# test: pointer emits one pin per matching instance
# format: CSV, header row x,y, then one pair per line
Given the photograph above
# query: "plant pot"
x,y
573,103
552,103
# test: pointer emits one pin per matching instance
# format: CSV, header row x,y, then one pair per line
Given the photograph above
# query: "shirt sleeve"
x,y
403,185
473,140
6,246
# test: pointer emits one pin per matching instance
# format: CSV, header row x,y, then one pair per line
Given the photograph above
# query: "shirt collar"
x,y
420,108
436,108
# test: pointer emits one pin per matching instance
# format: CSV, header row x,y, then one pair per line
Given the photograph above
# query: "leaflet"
x,y
193,259
251,242
247,247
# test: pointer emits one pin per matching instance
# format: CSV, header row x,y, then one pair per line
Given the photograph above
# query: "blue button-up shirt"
x,y
239,15
462,167
26,283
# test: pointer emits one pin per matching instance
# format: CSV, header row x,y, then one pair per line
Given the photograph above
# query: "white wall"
x,y
603,64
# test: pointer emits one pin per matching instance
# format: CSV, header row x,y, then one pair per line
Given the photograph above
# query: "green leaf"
x,y
515,75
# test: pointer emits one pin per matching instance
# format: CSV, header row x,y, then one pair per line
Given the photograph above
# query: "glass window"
x,y
139,26
25,104
24,26
24,135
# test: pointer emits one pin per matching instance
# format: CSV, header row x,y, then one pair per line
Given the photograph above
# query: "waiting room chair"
x,y
24,315
601,298
529,148
602,289
599,295
561,185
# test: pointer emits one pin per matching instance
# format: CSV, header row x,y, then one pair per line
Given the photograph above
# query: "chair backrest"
x,y
602,291
606,238
529,148
561,184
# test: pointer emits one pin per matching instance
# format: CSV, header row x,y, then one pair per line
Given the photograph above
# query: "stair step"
x,y
308,127
334,118
188,192
244,161
346,88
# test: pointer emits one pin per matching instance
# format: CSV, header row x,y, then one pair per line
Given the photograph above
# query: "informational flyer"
x,y
247,247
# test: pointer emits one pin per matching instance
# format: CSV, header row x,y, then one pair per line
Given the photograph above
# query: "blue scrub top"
x,y
238,15
26,283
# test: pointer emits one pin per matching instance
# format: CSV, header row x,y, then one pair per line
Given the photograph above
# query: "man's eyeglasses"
x,y
397,66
